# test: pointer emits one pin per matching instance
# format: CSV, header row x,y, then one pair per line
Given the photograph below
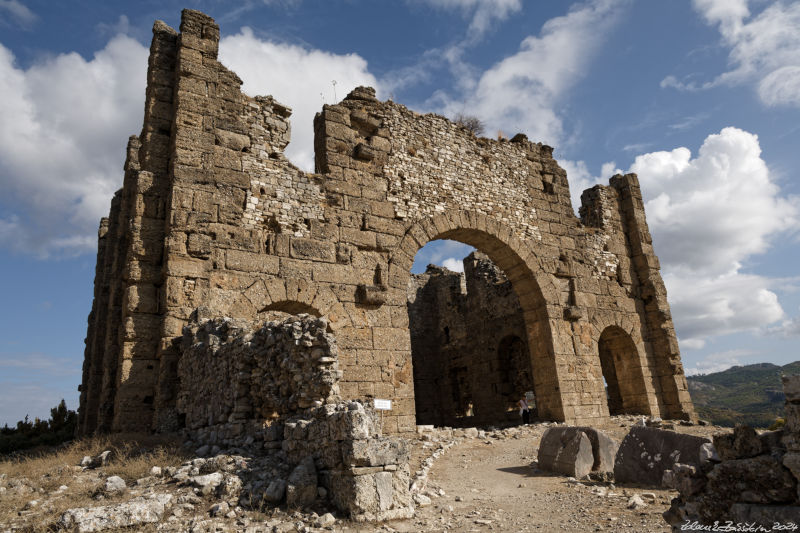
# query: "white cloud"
x,y
456,265
580,178
484,12
298,77
62,142
19,12
521,92
709,306
764,49
717,362
66,120
712,212
787,328
708,215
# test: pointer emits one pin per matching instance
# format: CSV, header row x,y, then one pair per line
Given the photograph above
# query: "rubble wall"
x,y
753,480
276,387
211,214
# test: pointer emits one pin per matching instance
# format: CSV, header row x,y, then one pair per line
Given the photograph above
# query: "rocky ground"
x,y
464,480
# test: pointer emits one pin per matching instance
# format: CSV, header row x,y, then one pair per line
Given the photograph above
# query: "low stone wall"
x,y
754,480
237,380
276,387
366,473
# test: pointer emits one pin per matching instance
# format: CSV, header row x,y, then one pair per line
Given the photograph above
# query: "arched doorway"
x,y
455,383
622,371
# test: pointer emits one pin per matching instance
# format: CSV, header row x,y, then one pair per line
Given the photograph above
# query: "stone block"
x,y
742,443
375,452
301,487
312,249
251,262
645,453
566,451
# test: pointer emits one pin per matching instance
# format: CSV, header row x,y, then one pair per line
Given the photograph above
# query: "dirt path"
x,y
491,483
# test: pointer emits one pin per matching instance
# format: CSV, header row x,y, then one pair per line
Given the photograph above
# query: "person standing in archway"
x,y
523,410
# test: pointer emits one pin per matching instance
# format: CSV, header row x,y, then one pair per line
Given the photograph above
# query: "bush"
x,y
471,123
60,428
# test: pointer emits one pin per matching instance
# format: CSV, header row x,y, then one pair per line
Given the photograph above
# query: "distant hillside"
x,y
750,394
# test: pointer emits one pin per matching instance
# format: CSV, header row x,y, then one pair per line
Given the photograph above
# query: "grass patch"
x,y
37,474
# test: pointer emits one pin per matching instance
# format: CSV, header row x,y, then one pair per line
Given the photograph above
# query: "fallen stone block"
x,y
646,453
566,450
742,443
135,512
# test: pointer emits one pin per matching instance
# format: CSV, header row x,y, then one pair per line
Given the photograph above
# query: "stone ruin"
x,y
753,479
214,228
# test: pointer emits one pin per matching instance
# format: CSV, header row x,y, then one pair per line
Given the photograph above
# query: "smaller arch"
x,y
621,364
293,295
291,307
513,358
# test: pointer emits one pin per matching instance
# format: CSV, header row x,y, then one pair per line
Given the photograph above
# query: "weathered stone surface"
x,y
566,450
646,453
275,491
212,214
755,481
742,443
114,484
144,510
301,488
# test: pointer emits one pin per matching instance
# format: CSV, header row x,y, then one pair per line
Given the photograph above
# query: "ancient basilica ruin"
x,y
215,234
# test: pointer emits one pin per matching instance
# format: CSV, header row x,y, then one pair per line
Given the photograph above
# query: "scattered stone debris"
x,y
752,478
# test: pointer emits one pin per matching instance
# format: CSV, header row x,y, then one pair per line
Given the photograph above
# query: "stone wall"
x,y
468,345
754,479
211,214
237,380
276,386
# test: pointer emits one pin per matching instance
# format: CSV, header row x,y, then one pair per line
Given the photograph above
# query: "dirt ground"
x,y
492,483
463,480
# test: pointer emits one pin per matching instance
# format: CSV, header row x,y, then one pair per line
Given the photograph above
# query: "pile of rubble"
x,y
752,478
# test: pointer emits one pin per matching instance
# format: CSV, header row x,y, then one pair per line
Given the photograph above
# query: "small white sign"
x,y
385,405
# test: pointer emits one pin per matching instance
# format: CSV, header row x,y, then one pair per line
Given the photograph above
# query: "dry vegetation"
x,y
46,471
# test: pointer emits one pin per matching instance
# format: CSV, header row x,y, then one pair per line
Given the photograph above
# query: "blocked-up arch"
x,y
521,265
622,369
291,295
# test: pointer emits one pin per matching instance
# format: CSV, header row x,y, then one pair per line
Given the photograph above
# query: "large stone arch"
x,y
535,289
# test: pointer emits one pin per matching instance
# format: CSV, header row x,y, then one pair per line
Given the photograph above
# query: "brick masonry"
x,y
211,214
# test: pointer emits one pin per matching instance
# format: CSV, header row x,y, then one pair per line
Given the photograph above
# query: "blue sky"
x,y
700,98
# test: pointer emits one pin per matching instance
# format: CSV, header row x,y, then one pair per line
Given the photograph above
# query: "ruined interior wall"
x,y
464,330
211,214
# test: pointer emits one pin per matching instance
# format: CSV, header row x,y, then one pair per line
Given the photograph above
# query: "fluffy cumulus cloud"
x,y
65,123
708,214
764,49
299,77
522,92
66,120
